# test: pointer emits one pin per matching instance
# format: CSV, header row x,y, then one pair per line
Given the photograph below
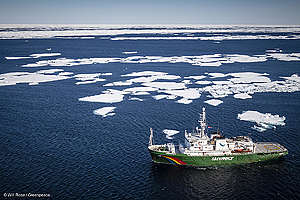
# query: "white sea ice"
x,y
258,128
222,82
16,58
118,83
213,102
88,78
65,73
129,52
160,96
34,56
246,58
30,78
135,99
294,77
184,101
91,81
263,121
203,60
242,96
140,93
249,77
285,56
170,133
105,111
145,73
195,77
217,75
189,93
140,89
38,55
203,82
165,85
108,96
49,71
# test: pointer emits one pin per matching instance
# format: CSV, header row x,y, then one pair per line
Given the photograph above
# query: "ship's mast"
x,y
151,137
202,123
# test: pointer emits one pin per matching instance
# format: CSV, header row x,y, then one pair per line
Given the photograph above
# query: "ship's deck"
x,y
268,147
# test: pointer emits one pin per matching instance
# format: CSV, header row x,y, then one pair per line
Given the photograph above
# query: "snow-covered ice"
x,y
242,96
105,111
263,121
109,96
170,133
213,102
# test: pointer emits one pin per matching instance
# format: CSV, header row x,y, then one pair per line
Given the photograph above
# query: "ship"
x,y
203,150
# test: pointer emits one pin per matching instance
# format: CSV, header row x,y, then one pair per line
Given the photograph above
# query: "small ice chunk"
x,y
165,85
263,121
170,133
65,73
38,55
135,99
49,71
213,102
140,93
259,129
145,73
217,75
105,111
203,82
195,77
184,101
242,96
129,52
111,96
160,96
16,58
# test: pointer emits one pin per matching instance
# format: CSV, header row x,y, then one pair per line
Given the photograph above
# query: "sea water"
x,y
77,104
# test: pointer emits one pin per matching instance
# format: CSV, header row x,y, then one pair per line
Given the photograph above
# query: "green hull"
x,y
207,161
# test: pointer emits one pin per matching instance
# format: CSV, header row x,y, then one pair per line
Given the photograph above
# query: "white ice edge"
x,y
105,111
203,60
263,121
213,102
86,31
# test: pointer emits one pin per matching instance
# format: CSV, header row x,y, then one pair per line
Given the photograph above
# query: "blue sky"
x,y
150,11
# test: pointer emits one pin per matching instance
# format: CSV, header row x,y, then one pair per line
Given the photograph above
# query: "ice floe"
x,y
87,31
285,56
170,133
108,96
184,101
129,52
16,58
135,99
263,121
88,78
49,71
203,82
216,38
37,55
145,73
213,102
242,96
202,60
105,111
189,93
195,77
165,85
34,78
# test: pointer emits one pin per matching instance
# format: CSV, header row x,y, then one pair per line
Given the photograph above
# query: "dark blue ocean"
x,y
50,142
